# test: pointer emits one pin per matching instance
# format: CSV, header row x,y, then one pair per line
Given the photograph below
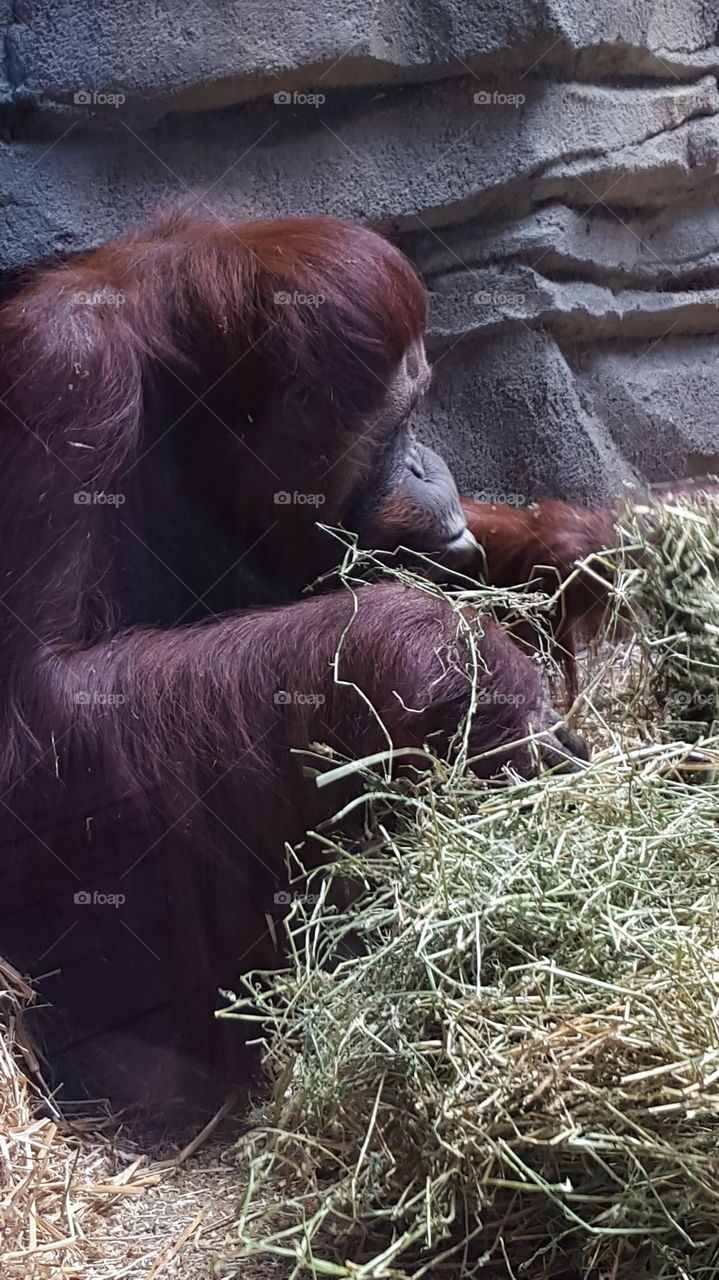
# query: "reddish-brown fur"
x,y
138,707
541,546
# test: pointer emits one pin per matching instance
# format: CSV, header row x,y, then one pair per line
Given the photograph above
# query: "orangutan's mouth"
x,y
460,548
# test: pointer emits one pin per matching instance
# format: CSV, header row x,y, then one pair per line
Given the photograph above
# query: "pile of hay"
x,y
502,1057
668,580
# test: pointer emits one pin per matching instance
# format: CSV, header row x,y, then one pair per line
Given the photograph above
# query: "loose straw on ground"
x,y
67,1211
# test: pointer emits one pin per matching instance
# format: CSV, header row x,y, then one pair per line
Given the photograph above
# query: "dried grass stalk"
x,y
502,1057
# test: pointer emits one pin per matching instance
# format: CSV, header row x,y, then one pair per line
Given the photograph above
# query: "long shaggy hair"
x,y
168,405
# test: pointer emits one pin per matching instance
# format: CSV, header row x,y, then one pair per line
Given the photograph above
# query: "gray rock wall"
x,y
551,167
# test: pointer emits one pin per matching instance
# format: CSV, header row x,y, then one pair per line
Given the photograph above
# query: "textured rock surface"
x,y
552,168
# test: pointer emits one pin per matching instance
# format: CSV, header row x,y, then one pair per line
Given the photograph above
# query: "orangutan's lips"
x,y
461,547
